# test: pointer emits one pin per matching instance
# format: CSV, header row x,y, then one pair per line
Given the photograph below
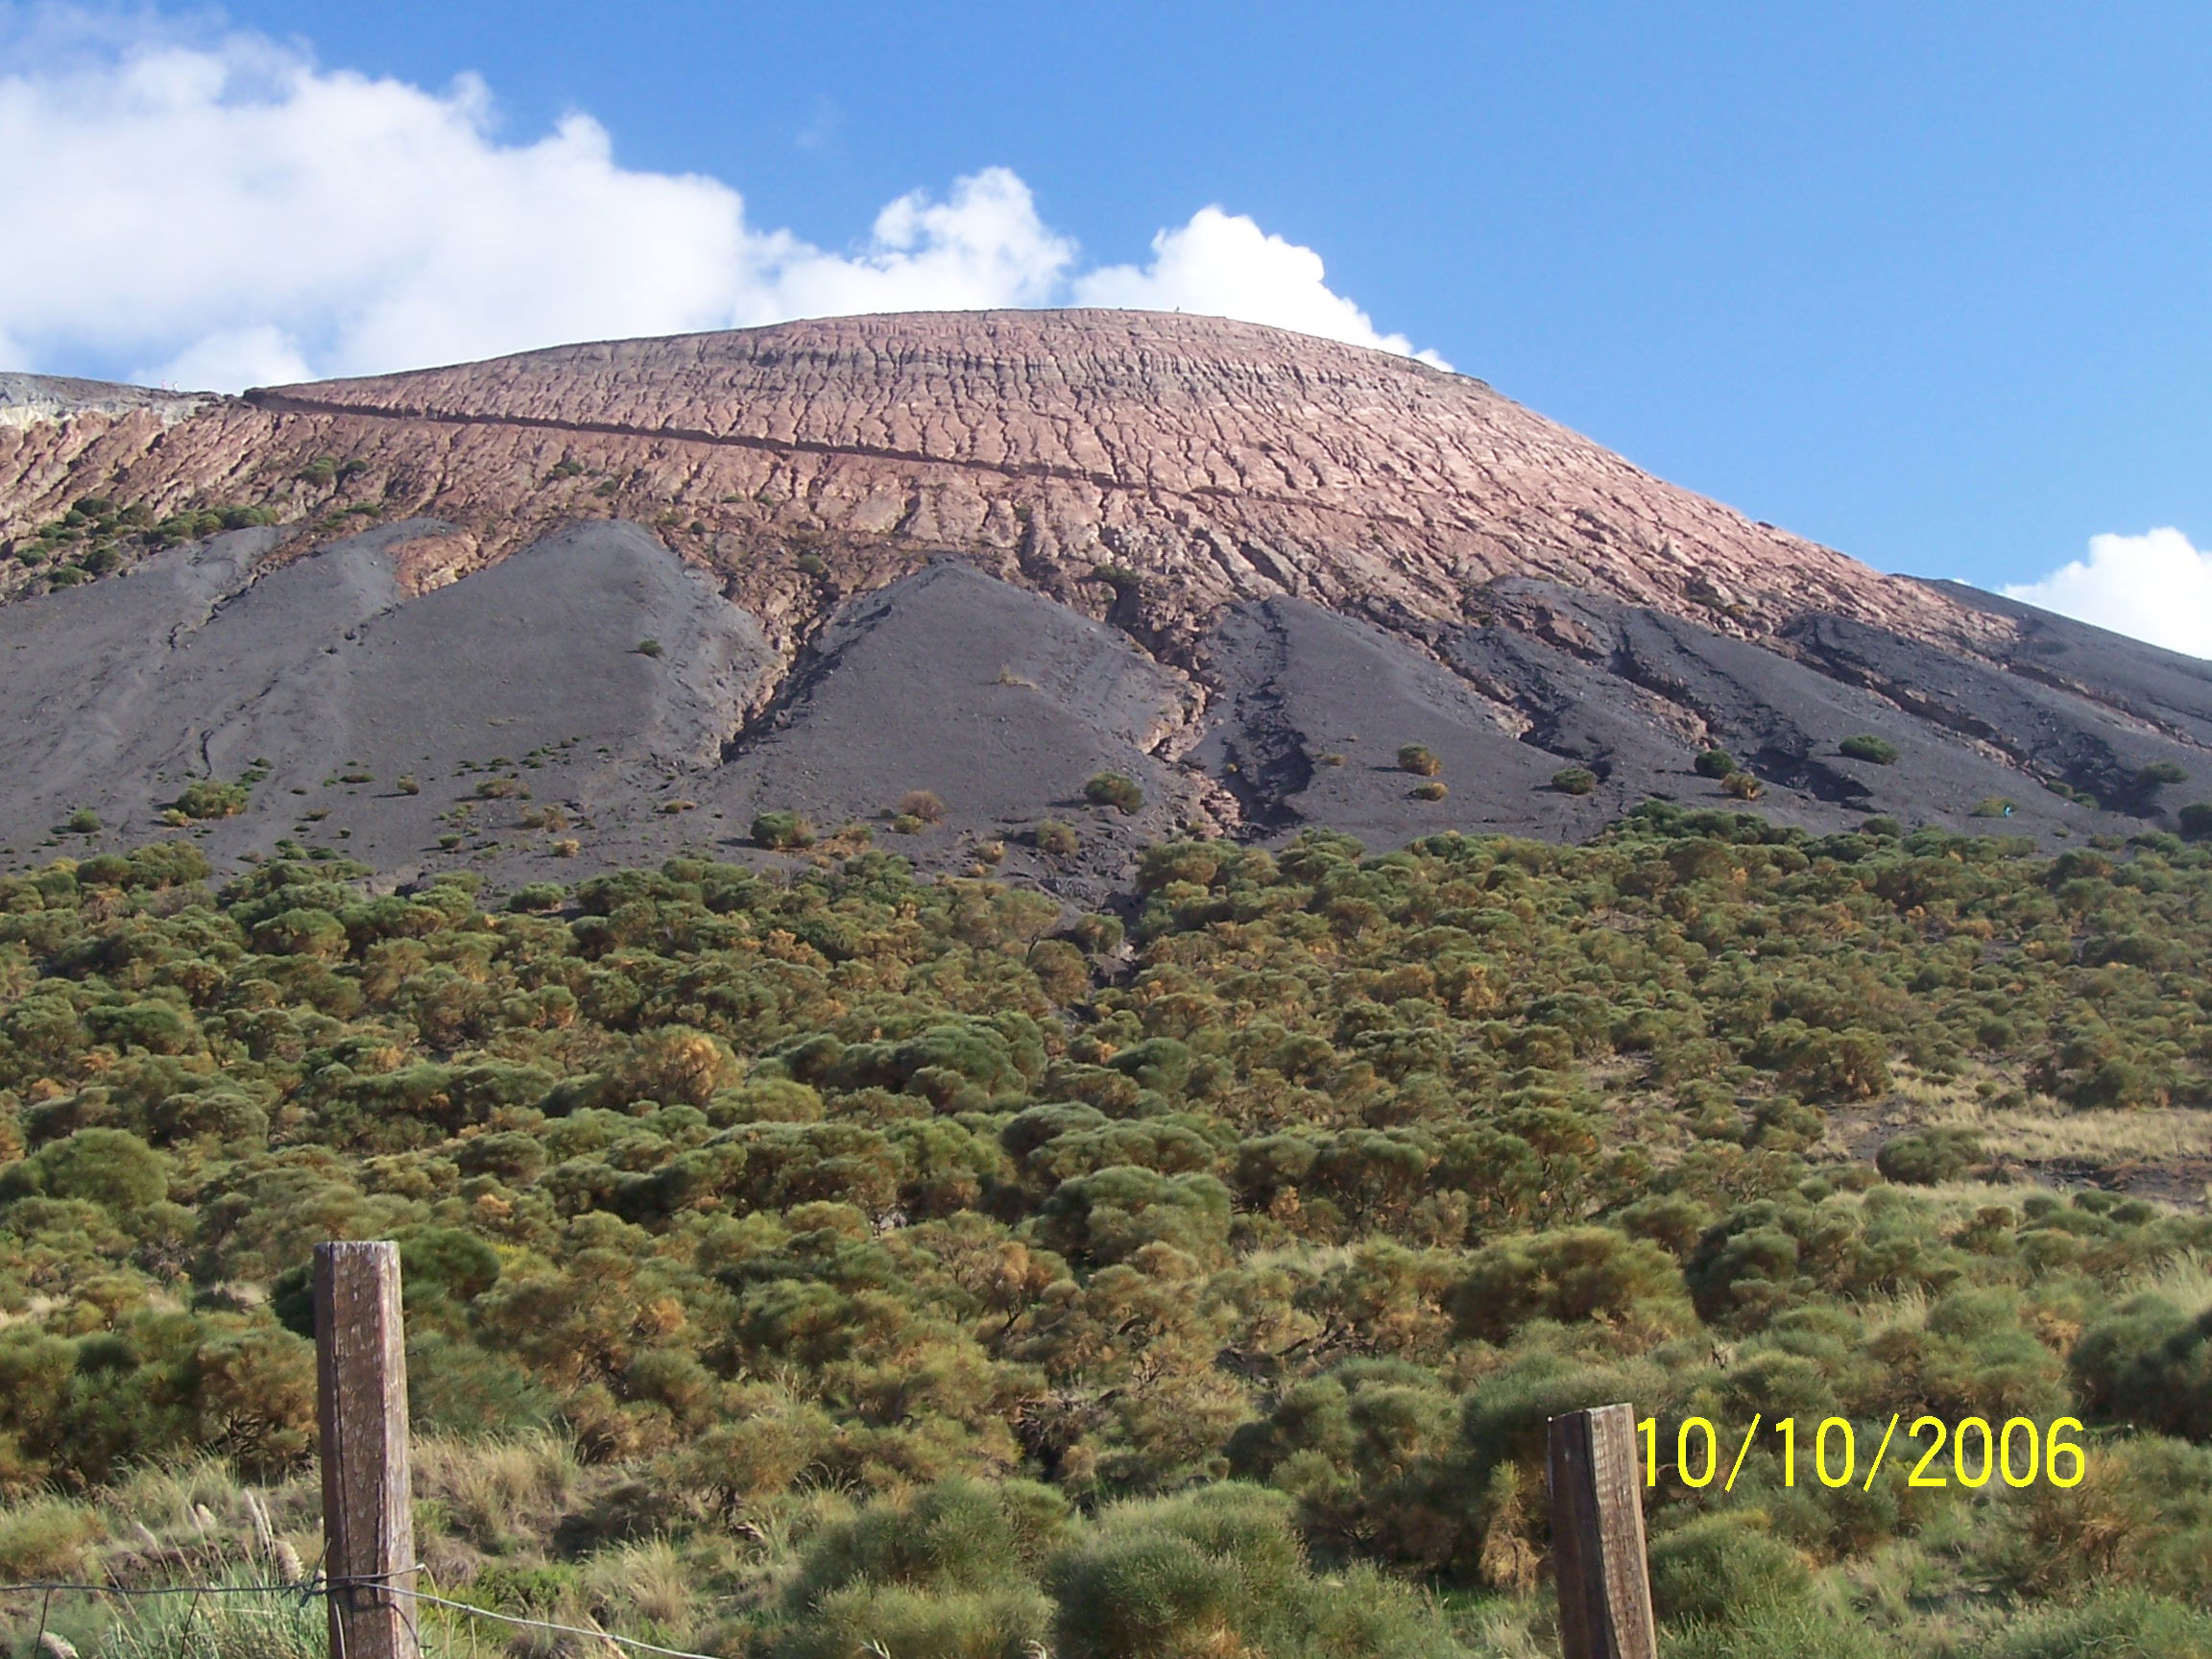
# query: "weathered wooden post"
x,y
1598,1537
368,1528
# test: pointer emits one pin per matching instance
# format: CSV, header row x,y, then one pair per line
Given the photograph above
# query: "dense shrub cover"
x,y
1167,1272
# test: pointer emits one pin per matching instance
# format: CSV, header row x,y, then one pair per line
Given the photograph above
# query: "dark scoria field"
x,y
816,1262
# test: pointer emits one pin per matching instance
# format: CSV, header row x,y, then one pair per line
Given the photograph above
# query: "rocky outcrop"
x,y
41,400
1166,467
630,596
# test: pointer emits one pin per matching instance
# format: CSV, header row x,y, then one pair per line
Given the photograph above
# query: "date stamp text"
x,y
1971,1452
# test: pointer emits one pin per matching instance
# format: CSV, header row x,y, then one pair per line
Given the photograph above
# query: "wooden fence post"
x,y
361,1374
1598,1537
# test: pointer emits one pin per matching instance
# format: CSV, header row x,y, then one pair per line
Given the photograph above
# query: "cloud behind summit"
x,y
2154,587
221,210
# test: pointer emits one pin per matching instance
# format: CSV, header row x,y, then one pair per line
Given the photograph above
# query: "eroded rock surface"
x,y
1210,461
631,596
40,399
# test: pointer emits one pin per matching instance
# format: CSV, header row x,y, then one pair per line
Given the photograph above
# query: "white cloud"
x,y
984,247
260,355
2156,587
1224,265
222,210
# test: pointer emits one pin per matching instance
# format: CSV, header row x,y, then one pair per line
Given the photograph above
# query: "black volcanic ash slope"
x,y
594,690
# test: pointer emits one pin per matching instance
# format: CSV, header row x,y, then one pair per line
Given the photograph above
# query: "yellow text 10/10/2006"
x,y
2019,1453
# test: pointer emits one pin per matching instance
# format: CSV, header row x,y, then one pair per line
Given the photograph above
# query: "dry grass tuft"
x,y
650,1579
2185,1281
2152,1135
49,1538
496,1493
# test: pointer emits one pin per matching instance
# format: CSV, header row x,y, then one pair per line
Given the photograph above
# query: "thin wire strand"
x,y
59,1586
547,1624
323,1588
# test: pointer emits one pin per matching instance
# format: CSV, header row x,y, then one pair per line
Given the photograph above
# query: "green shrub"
x,y
84,822
110,1168
1101,935
455,1387
1573,1275
1433,790
955,1535
2149,1365
1370,1450
302,932
1055,839
1574,780
1742,785
1715,763
1866,746
2196,820
1929,1157
1717,1568
1109,1215
1217,1571
1994,806
229,1116
1220,1571
782,832
1422,762
1061,969
211,798
1114,789
1149,1592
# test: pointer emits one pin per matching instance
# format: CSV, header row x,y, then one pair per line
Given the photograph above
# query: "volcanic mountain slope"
x,y
665,586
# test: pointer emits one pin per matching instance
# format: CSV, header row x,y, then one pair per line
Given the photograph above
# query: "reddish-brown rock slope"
x,y
1210,461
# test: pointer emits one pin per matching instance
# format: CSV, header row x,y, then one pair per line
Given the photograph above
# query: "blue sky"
x,y
1924,282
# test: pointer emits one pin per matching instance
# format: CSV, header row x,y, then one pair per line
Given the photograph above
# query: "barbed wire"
x,y
309,1589
60,1586
641,1646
